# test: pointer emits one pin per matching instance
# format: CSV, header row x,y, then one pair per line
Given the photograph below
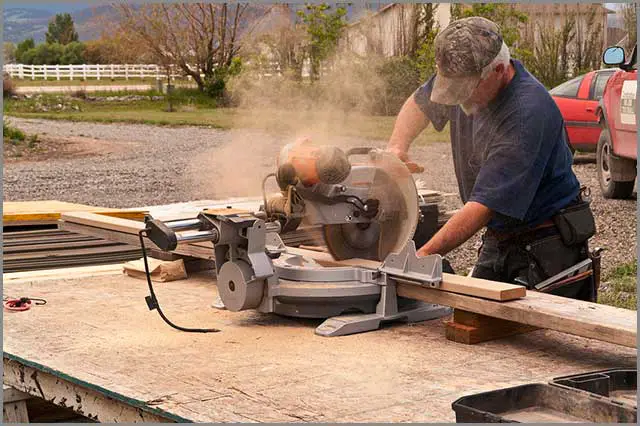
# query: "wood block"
x,y
471,328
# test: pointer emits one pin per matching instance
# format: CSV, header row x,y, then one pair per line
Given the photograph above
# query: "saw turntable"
x,y
367,204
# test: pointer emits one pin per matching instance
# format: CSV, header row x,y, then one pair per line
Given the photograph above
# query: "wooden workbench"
x,y
97,348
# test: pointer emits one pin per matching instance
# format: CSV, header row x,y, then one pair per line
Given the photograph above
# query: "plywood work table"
x,y
96,347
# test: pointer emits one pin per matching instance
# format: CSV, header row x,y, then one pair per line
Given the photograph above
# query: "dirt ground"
x,y
54,148
127,165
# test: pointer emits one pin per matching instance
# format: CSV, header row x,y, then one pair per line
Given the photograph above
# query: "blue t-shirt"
x,y
511,156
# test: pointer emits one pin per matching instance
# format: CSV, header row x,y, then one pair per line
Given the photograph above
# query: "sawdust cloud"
x,y
274,111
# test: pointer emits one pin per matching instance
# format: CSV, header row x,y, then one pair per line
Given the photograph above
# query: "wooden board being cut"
x,y
602,322
16,212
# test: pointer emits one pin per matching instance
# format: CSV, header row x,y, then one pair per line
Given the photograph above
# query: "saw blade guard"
x,y
381,176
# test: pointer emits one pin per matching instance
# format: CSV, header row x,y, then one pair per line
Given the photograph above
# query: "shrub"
x,y
10,133
8,88
400,78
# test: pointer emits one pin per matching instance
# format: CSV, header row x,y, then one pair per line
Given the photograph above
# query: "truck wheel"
x,y
610,188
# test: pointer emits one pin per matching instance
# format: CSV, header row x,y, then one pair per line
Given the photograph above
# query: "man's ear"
x,y
500,68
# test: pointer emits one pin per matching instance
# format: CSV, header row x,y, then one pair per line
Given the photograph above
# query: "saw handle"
x,y
413,167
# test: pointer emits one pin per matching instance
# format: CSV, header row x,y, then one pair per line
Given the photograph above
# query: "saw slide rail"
x,y
586,319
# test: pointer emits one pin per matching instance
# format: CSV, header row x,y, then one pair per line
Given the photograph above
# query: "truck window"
x,y
599,83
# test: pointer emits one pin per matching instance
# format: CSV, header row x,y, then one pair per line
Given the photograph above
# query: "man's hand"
x,y
402,155
462,226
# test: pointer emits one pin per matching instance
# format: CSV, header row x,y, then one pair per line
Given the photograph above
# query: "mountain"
x,y
21,23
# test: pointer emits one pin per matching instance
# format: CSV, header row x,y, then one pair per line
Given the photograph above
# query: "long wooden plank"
x,y
17,212
601,322
62,273
111,248
61,246
586,319
450,283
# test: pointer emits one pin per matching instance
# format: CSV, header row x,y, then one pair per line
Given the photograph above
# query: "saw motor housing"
x,y
367,209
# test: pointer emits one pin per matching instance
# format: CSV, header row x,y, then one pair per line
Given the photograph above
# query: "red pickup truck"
x,y
616,152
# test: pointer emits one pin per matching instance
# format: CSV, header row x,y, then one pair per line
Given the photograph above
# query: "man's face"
x,y
485,92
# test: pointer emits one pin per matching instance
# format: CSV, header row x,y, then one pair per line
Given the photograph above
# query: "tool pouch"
x,y
543,265
575,223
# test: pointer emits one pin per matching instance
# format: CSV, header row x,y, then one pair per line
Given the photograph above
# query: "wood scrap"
x,y
471,328
159,270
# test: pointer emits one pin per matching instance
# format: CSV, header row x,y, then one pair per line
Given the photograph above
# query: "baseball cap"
x,y
463,49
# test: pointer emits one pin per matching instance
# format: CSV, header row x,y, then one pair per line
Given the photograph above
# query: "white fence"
x,y
70,72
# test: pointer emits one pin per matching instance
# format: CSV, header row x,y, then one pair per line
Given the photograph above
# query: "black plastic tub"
x,y
540,403
619,385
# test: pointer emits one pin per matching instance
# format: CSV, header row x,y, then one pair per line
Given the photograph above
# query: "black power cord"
x,y
152,301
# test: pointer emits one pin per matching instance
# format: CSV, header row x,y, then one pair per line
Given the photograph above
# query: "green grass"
x,y
619,287
193,108
11,134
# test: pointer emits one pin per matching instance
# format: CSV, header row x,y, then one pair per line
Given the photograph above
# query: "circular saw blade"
x,y
394,225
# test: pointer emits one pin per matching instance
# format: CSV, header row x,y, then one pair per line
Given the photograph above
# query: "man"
x,y
511,159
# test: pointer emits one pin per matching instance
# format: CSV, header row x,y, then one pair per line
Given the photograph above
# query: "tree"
x,y
201,39
283,42
550,59
9,52
324,29
425,55
23,47
506,16
587,49
629,17
73,54
45,54
61,30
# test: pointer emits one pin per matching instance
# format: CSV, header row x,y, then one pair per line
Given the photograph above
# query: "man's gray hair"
x,y
503,57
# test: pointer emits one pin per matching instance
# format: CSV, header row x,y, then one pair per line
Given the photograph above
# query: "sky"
x,y
60,7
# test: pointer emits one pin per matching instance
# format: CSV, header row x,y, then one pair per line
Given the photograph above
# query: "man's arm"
x,y
462,226
409,123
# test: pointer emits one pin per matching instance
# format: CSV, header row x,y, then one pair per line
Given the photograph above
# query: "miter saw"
x,y
367,204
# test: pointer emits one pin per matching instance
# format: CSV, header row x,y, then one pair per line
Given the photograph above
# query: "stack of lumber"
x,y
32,240
56,248
493,299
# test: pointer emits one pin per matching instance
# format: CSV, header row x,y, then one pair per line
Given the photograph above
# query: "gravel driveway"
x,y
150,165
